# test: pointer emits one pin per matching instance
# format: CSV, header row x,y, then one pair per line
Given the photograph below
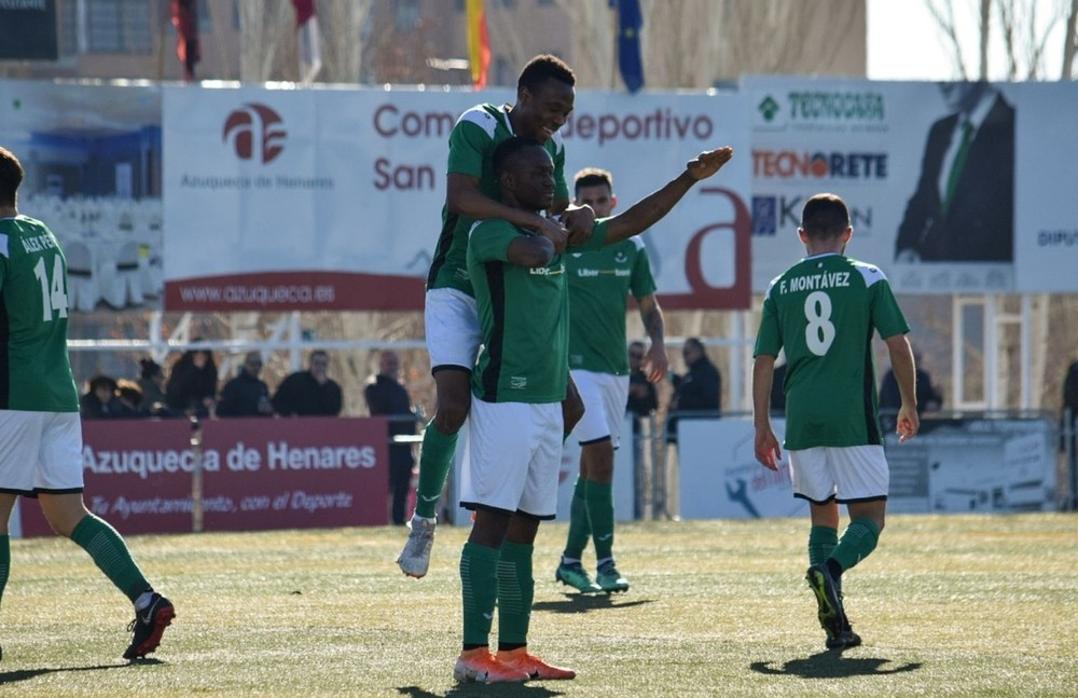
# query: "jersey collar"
x,y
822,254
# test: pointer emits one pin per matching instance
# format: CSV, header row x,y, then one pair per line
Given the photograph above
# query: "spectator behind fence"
x,y
386,396
928,398
1070,402
309,393
192,384
128,400
699,389
152,384
99,402
643,397
246,395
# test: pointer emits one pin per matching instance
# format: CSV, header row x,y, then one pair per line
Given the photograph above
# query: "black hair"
x,y
148,368
543,68
508,150
593,177
825,216
11,174
101,381
695,343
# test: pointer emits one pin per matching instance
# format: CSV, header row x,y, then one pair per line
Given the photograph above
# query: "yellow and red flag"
x,y
478,43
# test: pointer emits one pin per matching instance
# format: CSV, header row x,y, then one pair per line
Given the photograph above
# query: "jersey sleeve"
x,y
561,188
886,316
468,142
596,239
642,283
490,240
769,338
4,252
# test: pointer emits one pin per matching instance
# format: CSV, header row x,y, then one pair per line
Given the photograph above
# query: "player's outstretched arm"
x,y
898,346
651,209
463,196
766,443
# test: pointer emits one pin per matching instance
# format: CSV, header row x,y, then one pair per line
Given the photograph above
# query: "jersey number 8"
x,y
820,332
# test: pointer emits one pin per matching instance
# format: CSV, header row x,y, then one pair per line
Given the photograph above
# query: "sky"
x,y
904,42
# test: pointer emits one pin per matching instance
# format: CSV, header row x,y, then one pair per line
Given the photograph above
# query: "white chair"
x,y
83,291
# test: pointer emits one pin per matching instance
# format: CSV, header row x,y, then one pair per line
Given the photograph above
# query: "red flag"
x,y
185,19
304,11
310,47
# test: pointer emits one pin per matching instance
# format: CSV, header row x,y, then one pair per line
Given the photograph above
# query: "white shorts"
x,y
40,452
850,474
452,328
512,457
605,397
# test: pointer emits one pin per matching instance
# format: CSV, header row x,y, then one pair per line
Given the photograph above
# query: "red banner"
x,y
258,474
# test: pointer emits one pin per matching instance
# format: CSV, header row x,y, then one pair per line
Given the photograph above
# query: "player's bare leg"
x,y
7,503
68,516
454,398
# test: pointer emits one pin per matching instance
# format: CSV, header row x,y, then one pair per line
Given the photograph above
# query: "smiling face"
x,y
529,177
544,109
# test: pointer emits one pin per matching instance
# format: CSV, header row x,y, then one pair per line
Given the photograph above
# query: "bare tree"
x,y
594,38
1070,42
266,27
341,25
986,19
943,12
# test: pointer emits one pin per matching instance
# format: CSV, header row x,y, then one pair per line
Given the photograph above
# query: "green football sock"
x,y
579,527
5,562
111,555
600,498
479,591
435,457
857,542
516,589
822,540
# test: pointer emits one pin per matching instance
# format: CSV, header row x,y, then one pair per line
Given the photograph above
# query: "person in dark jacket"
x,y
309,393
99,402
386,396
192,384
928,398
699,390
128,401
246,395
643,398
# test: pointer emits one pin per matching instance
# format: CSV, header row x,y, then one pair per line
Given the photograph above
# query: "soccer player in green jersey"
x,y
545,97
515,425
823,311
40,431
599,286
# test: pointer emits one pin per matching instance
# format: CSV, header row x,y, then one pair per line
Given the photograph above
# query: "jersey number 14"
x,y
820,332
53,298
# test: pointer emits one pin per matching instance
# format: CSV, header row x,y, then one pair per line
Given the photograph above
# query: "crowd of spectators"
x,y
191,389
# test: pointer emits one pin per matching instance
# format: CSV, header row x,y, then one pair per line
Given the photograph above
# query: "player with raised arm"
x,y
823,311
40,430
599,286
545,97
515,425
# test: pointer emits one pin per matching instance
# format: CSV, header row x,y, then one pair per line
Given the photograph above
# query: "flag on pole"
x,y
185,19
308,40
630,22
478,43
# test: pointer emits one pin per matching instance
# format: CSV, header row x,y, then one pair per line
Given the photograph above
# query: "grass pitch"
x,y
955,605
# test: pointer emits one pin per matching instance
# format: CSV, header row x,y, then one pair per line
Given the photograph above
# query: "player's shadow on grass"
x,y
833,665
7,677
509,690
582,603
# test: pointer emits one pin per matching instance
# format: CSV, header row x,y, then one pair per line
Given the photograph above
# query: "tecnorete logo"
x,y
255,132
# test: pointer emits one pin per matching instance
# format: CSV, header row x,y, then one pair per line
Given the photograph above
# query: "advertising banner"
x,y
28,30
257,474
331,199
953,465
92,155
927,169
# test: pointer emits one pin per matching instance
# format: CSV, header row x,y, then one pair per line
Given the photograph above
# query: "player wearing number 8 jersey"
x,y
40,431
824,311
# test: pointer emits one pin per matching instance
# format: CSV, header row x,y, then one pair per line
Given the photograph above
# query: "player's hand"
x,y
709,162
579,221
767,448
554,231
908,423
655,363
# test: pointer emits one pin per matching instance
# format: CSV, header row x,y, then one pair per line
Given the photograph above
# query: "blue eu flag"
x,y
630,22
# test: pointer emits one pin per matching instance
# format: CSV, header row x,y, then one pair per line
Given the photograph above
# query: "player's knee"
x,y
451,415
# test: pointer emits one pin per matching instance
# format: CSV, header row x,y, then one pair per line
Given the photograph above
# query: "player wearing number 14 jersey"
x,y
823,311
40,431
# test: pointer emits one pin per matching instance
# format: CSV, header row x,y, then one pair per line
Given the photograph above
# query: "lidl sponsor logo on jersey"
x,y
255,132
547,271
773,213
789,164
